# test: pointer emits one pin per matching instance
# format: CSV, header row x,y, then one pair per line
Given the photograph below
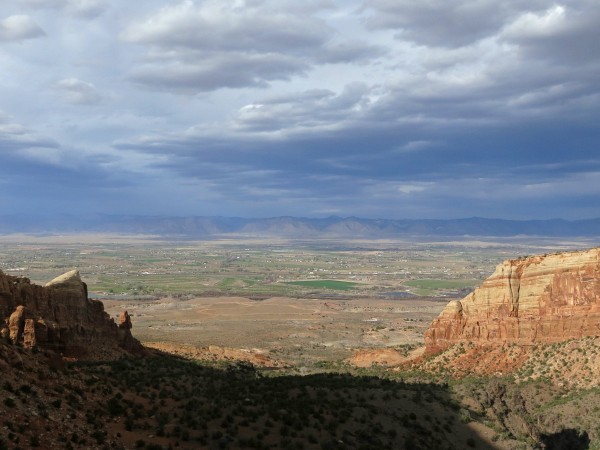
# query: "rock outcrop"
x,y
61,317
537,299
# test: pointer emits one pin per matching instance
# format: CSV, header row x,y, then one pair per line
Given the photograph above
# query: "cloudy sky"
x,y
260,108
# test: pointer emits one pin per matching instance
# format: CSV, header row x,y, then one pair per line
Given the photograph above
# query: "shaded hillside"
x,y
547,395
165,402
297,227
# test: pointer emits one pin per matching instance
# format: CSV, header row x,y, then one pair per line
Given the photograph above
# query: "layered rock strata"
x,y
548,298
61,317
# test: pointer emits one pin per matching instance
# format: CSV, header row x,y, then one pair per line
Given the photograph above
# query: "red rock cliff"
x,y
60,316
546,298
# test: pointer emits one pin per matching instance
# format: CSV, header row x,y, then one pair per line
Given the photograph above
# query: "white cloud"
x,y
538,24
443,23
79,8
215,44
232,70
78,92
417,145
86,8
413,188
19,28
561,34
314,109
16,137
216,25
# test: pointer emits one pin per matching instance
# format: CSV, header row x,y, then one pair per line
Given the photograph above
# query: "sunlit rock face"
x,y
59,316
546,298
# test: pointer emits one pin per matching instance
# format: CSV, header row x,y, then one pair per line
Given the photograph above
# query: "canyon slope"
x,y
59,316
535,299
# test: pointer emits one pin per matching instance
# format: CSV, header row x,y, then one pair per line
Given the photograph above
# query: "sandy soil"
x,y
297,331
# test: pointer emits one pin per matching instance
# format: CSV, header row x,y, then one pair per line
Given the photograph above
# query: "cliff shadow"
x,y
232,405
567,439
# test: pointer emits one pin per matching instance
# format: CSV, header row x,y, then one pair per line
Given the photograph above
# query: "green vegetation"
x,y
430,286
257,268
325,284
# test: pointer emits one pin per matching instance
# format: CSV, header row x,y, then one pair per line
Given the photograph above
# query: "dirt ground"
x,y
300,332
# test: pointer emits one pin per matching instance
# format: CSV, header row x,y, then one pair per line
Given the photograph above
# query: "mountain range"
x,y
297,227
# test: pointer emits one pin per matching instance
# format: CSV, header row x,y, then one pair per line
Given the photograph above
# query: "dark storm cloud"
x,y
378,108
50,177
505,119
372,143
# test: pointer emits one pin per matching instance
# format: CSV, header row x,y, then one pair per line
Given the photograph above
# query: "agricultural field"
x,y
124,266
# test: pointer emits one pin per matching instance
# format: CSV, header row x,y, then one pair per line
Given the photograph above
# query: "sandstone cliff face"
x,y
60,316
546,299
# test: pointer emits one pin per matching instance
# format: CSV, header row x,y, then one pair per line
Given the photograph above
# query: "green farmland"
x,y
325,284
258,268
430,286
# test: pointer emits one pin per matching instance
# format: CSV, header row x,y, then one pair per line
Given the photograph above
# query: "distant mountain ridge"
x,y
297,227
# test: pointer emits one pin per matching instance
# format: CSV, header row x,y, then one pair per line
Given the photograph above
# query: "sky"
x,y
262,108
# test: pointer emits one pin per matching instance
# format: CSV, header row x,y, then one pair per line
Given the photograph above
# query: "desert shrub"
x,y
129,423
34,440
465,416
99,436
114,407
26,389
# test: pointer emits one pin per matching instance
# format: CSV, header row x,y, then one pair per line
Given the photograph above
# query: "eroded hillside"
x,y
538,299
60,316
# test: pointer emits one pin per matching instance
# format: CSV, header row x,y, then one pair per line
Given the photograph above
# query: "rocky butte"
x,y
60,316
535,299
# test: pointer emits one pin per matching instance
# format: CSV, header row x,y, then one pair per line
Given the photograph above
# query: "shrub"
x,y
34,440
